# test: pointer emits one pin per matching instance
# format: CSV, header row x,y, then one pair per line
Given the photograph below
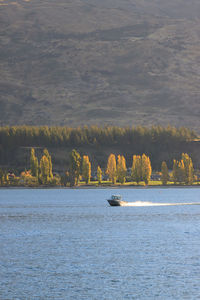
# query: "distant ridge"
x,y
108,62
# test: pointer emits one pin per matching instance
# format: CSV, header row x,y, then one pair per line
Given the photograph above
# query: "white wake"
x,y
141,203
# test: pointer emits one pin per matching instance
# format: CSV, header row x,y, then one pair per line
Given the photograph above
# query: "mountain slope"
x,y
100,62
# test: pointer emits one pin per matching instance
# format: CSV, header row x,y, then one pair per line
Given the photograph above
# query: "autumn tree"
x,y
34,163
86,168
188,169
141,168
3,177
181,171
175,171
164,173
111,168
121,169
44,170
99,174
48,156
178,171
136,170
75,165
146,168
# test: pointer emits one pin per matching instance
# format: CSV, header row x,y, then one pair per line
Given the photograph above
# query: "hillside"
x,y
108,62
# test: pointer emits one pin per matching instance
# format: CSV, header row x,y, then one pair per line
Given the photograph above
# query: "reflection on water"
x,y
70,244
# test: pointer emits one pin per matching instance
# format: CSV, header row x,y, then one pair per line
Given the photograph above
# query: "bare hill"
x,y
100,62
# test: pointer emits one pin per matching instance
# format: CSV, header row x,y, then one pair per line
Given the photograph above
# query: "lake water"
x,y
70,244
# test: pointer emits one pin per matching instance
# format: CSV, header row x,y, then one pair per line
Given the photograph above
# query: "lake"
x,y
70,244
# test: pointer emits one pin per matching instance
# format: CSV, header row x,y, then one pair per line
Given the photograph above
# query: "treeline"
x,y
64,136
116,170
141,170
41,172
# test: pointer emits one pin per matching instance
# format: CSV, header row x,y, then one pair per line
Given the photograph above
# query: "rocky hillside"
x,y
76,62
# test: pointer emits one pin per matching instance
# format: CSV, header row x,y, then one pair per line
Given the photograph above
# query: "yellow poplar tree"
x,y
44,169
48,156
164,173
75,165
136,171
86,168
146,168
3,177
190,178
111,168
175,171
121,169
188,169
34,163
99,174
181,172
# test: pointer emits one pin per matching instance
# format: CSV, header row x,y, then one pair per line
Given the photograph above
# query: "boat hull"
x,y
117,202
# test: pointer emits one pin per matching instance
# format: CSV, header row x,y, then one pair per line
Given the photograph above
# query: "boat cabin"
x,y
116,197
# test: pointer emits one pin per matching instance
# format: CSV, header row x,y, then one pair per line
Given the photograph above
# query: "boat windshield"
x,y
116,197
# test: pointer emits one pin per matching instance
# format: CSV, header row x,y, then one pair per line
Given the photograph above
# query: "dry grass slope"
x,y
100,62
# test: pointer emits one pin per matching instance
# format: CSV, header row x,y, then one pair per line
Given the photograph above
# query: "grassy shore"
x,y
107,184
132,184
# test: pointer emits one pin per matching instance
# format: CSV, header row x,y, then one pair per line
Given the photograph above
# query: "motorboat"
x,y
116,200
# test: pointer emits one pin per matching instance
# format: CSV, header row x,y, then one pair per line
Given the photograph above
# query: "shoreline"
x,y
89,187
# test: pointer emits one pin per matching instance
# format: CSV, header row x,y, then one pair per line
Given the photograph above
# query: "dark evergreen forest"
x,y
160,143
